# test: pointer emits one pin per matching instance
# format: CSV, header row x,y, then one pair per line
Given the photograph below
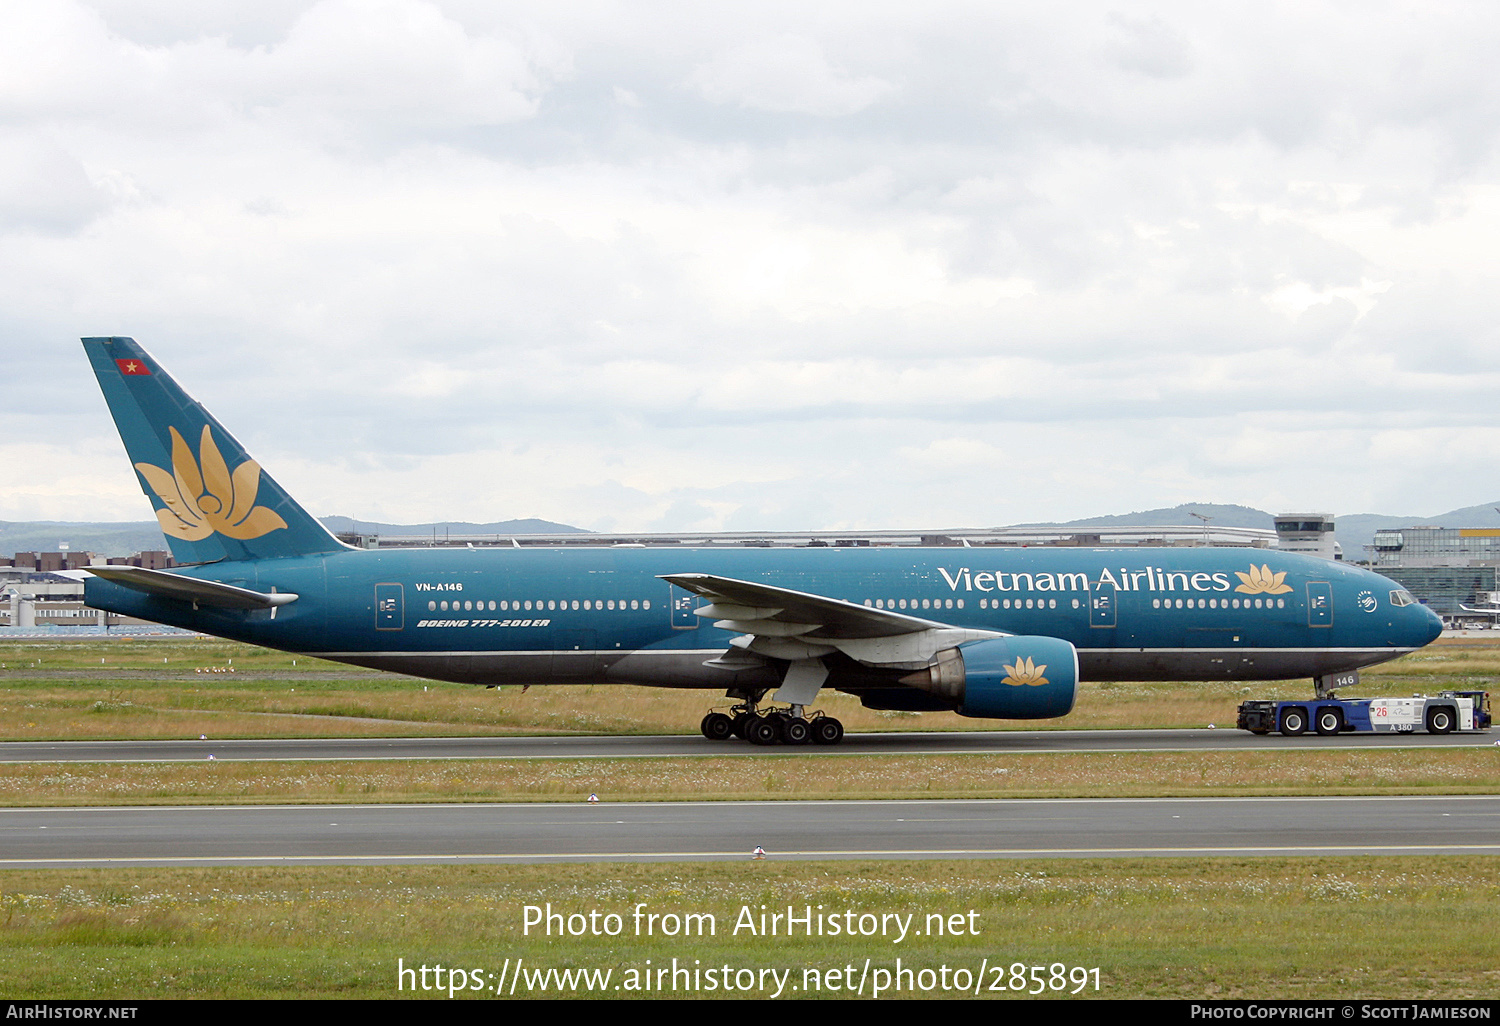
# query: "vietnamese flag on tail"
x,y
133,367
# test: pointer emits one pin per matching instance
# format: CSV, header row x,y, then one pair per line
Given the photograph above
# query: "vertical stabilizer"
x,y
211,498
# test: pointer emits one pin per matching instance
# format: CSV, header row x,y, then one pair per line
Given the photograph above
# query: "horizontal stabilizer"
x,y
191,589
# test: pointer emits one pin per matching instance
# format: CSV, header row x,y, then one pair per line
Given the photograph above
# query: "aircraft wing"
x,y
191,589
795,625
764,609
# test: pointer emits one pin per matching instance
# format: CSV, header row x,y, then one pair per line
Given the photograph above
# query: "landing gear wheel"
x,y
1294,722
795,731
1440,720
761,731
739,723
717,727
1329,722
827,731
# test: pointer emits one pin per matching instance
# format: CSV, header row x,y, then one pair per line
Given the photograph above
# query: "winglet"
x,y
212,500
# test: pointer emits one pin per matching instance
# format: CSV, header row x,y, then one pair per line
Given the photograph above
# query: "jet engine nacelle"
x,y
1015,678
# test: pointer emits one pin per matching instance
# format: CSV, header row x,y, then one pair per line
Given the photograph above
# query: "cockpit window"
x,y
1402,598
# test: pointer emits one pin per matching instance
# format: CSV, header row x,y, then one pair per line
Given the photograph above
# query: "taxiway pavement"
x,y
729,831
618,747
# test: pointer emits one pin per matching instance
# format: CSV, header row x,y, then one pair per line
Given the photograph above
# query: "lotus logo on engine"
x,y
1023,671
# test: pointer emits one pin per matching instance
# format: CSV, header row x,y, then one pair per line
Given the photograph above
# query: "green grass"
x,y
1342,928
778,774
1266,928
73,690
134,695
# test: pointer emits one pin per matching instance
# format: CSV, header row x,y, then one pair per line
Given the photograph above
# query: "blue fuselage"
x,y
579,614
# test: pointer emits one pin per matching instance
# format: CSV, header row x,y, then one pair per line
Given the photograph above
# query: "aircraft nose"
x,y
1429,626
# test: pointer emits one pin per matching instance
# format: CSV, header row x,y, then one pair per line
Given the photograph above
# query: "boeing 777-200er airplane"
x,y
989,632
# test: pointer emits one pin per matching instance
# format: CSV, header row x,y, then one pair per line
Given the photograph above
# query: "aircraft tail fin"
x,y
211,498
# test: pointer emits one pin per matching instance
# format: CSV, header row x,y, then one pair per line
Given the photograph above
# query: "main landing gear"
x,y
773,727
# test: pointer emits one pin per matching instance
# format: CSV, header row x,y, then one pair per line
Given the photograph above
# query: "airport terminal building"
x,y
34,594
1448,568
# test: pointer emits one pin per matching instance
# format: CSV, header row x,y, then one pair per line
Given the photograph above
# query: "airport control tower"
x,y
1308,533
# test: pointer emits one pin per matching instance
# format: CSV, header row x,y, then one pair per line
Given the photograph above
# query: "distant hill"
x,y
105,539
341,525
124,539
1220,516
1355,530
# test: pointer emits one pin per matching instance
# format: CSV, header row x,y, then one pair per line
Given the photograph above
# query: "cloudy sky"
x,y
657,266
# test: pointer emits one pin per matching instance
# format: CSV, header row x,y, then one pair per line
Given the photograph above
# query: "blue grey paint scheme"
x,y
879,621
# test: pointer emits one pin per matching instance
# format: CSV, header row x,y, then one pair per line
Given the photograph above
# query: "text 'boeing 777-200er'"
x,y
1002,633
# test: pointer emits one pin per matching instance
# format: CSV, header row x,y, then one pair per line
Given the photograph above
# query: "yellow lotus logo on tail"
x,y
202,501
1261,581
1025,672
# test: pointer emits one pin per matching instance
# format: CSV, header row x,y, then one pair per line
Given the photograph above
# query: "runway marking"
x,y
918,811
532,747
219,757
937,804
741,855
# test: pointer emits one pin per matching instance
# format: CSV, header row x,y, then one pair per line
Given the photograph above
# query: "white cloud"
x,y
43,187
375,65
402,62
787,74
1294,298
765,264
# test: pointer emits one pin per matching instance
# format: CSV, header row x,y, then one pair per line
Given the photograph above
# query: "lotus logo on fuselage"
x,y
1261,581
203,497
1024,671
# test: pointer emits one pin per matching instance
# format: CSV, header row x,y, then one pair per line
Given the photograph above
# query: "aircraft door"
x,y
1319,604
390,607
1102,605
681,604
